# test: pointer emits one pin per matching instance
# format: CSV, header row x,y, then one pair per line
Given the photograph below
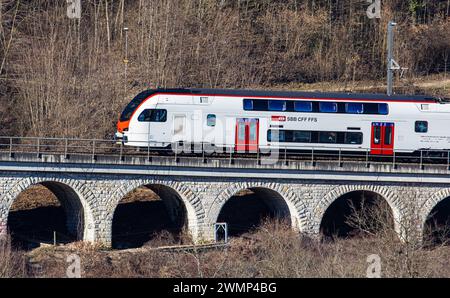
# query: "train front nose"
x,y
122,128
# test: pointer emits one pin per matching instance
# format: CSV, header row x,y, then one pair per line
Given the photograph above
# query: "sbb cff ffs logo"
x,y
279,118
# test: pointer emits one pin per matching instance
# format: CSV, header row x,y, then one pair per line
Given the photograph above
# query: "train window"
x,y
328,107
277,105
248,104
276,136
301,136
355,138
376,135
383,109
421,126
144,116
256,104
211,120
253,133
354,108
260,105
327,137
153,115
241,131
371,108
303,106
388,135
376,108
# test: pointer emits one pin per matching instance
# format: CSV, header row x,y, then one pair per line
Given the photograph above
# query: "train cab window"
x,y
328,107
354,108
277,105
383,109
131,107
153,115
211,120
303,106
421,126
327,137
354,138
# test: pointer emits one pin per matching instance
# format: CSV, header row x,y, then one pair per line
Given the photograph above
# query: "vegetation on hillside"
x,y
64,77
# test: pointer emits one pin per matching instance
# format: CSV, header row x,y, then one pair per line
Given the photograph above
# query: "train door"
x,y
382,140
179,127
247,135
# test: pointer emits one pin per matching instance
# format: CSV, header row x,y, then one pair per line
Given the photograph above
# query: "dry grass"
x,y
273,250
12,262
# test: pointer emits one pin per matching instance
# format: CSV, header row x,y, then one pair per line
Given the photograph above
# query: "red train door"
x,y
382,140
247,135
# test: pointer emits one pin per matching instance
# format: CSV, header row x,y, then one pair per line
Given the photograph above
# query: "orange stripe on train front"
x,y
121,125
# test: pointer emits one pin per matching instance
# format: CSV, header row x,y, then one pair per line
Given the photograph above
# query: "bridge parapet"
x,y
227,163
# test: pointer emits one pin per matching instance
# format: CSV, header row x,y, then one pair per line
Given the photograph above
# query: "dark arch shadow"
x,y
437,225
246,209
46,212
357,213
149,215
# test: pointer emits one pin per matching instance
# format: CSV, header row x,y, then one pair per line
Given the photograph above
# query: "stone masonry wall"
x,y
203,197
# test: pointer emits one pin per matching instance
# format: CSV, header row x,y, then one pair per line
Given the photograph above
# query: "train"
x,y
251,121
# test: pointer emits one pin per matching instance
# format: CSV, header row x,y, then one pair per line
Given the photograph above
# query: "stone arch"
x,y
77,195
296,207
340,190
194,208
428,206
432,202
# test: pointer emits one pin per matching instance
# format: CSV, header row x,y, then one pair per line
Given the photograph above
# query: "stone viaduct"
x,y
299,191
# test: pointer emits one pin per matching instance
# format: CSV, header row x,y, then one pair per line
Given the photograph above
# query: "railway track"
x,y
38,147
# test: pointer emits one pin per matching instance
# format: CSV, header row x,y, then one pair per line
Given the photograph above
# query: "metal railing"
x,y
98,150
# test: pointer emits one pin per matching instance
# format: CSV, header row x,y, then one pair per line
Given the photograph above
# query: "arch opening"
x,y
357,213
249,207
152,215
437,224
47,212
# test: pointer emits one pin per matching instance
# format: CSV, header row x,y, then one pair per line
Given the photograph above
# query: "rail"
x,y
104,151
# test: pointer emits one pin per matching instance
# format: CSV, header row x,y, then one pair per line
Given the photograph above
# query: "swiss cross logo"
x,y
279,118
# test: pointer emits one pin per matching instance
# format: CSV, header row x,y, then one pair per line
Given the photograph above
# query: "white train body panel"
x,y
186,120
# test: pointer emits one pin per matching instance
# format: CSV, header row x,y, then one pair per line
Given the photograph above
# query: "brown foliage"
x,y
61,77
273,250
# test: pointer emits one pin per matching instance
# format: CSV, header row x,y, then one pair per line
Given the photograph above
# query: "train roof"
x,y
295,94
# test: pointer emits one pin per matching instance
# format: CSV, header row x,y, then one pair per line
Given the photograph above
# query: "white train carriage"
x,y
247,121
